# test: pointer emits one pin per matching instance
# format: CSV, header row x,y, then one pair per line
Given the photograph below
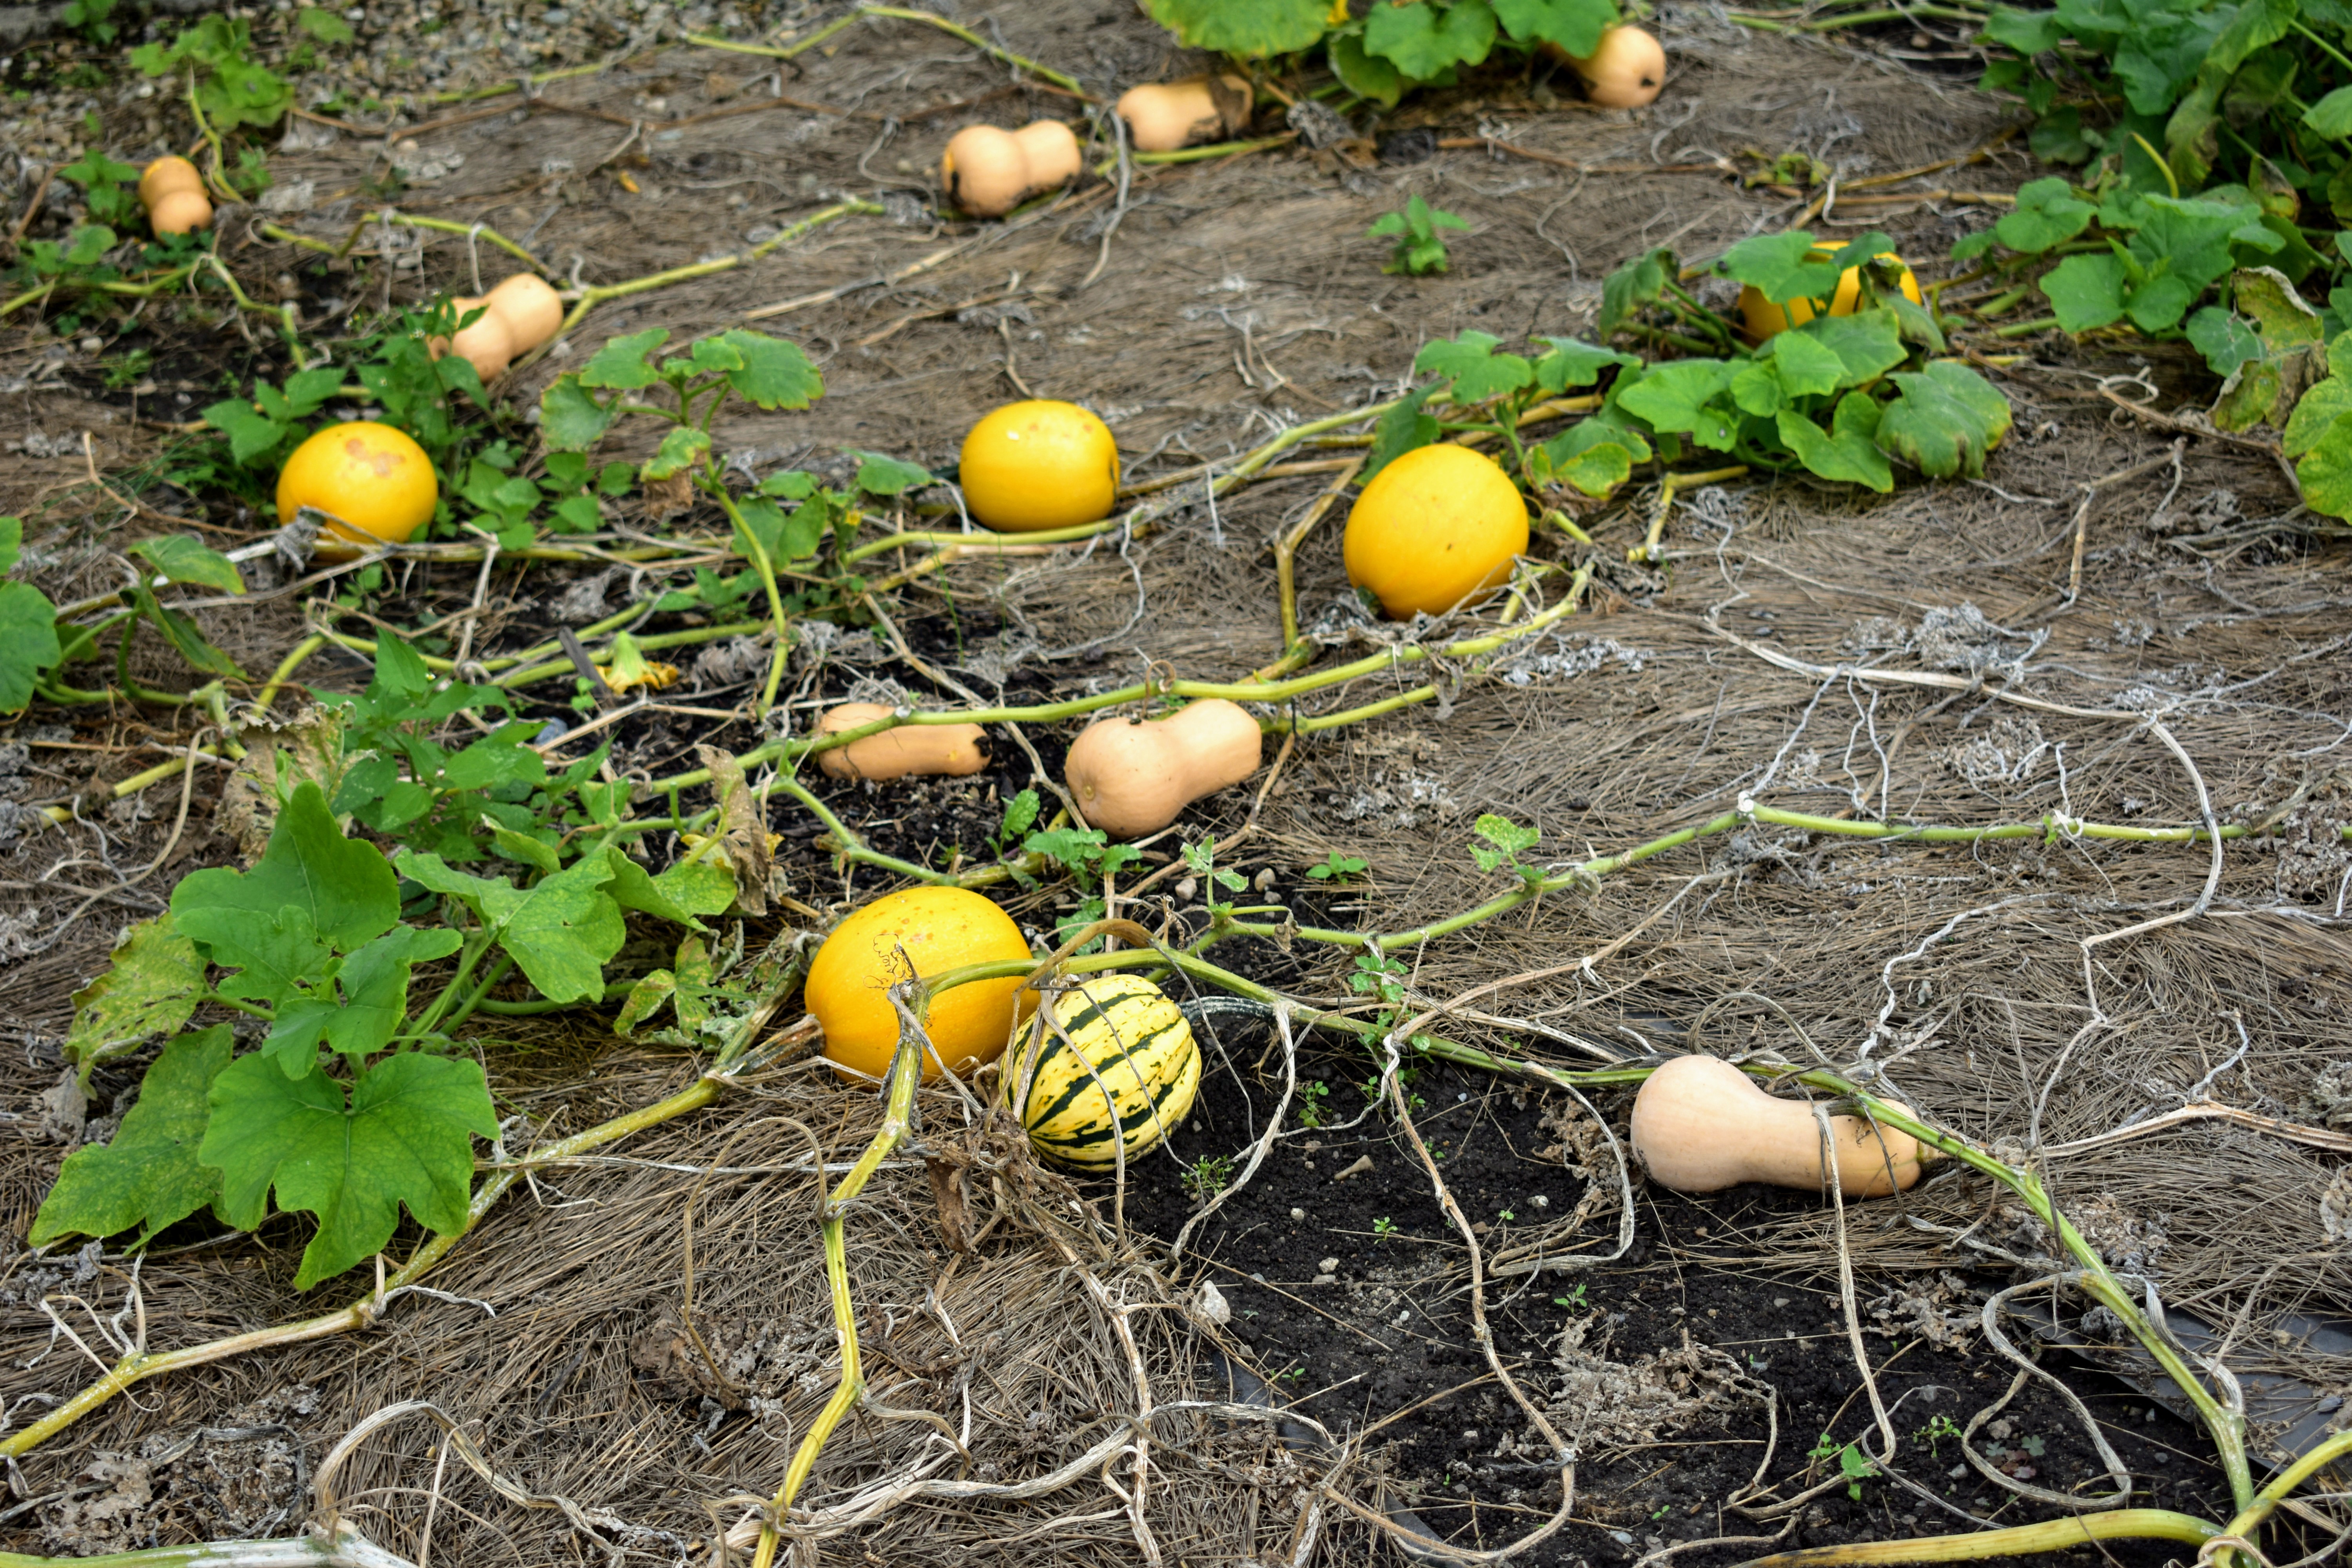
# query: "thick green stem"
x,y
898,1121
2019,1540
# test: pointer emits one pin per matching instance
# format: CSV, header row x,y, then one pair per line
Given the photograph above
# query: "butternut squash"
x,y
531,307
1133,776
488,345
950,749
988,172
1625,70
1164,116
1701,1125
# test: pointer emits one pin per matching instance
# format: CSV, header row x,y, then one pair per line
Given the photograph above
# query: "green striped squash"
x,y
1129,1040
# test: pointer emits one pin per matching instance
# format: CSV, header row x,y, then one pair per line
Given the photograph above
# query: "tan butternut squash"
x,y
1133,776
1164,116
950,749
988,172
1701,1125
531,307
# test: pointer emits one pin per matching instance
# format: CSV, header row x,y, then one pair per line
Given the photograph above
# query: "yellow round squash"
x,y
1116,1067
1038,465
1435,527
1763,319
377,483
938,928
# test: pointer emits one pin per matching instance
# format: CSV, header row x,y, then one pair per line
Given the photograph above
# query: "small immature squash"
x,y
180,212
166,174
1116,1067
1625,70
372,478
1164,116
923,749
488,345
1435,527
938,928
1038,465
1763,319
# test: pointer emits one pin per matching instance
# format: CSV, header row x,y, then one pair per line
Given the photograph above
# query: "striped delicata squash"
x,y
1116,1034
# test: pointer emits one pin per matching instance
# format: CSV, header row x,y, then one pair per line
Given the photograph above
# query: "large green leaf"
x,y
403,1138
148,1175
1807,366
1680,396
2047,214
1571,362
561,931
1637,283
1576,26
2085,291
1425,41
2332,116
570,418
374,1001
1846,453
1402,429
1470,363
343,886
1945,420
1252,28
28,640
1866,342
1783,267
180,559
2326,470
2314,415
621,363
1367,76
774,372
150,989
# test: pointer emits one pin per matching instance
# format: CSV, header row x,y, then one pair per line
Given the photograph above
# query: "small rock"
x,y
1210,1307
1297,1215
1329,1265
1327,1279
1364,1164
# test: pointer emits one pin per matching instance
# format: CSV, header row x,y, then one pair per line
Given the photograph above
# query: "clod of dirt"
x,y
1963,639
1601,1405
2331,1095
64,1108
1415,146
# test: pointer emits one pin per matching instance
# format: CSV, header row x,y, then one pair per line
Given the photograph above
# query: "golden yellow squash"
x,y
369,476
937,930
1038,465
1435,527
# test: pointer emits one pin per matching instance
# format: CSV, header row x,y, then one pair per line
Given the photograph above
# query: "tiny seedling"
x,y
1337,868
1213,1174
1503,842
1574,1301
1384,1226
1852,1463
1935,1432
1419,251
1313,1107
1507,1216
1201,859
1020,816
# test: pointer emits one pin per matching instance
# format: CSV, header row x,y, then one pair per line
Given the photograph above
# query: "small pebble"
x,y
1329,1265
1297,1215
